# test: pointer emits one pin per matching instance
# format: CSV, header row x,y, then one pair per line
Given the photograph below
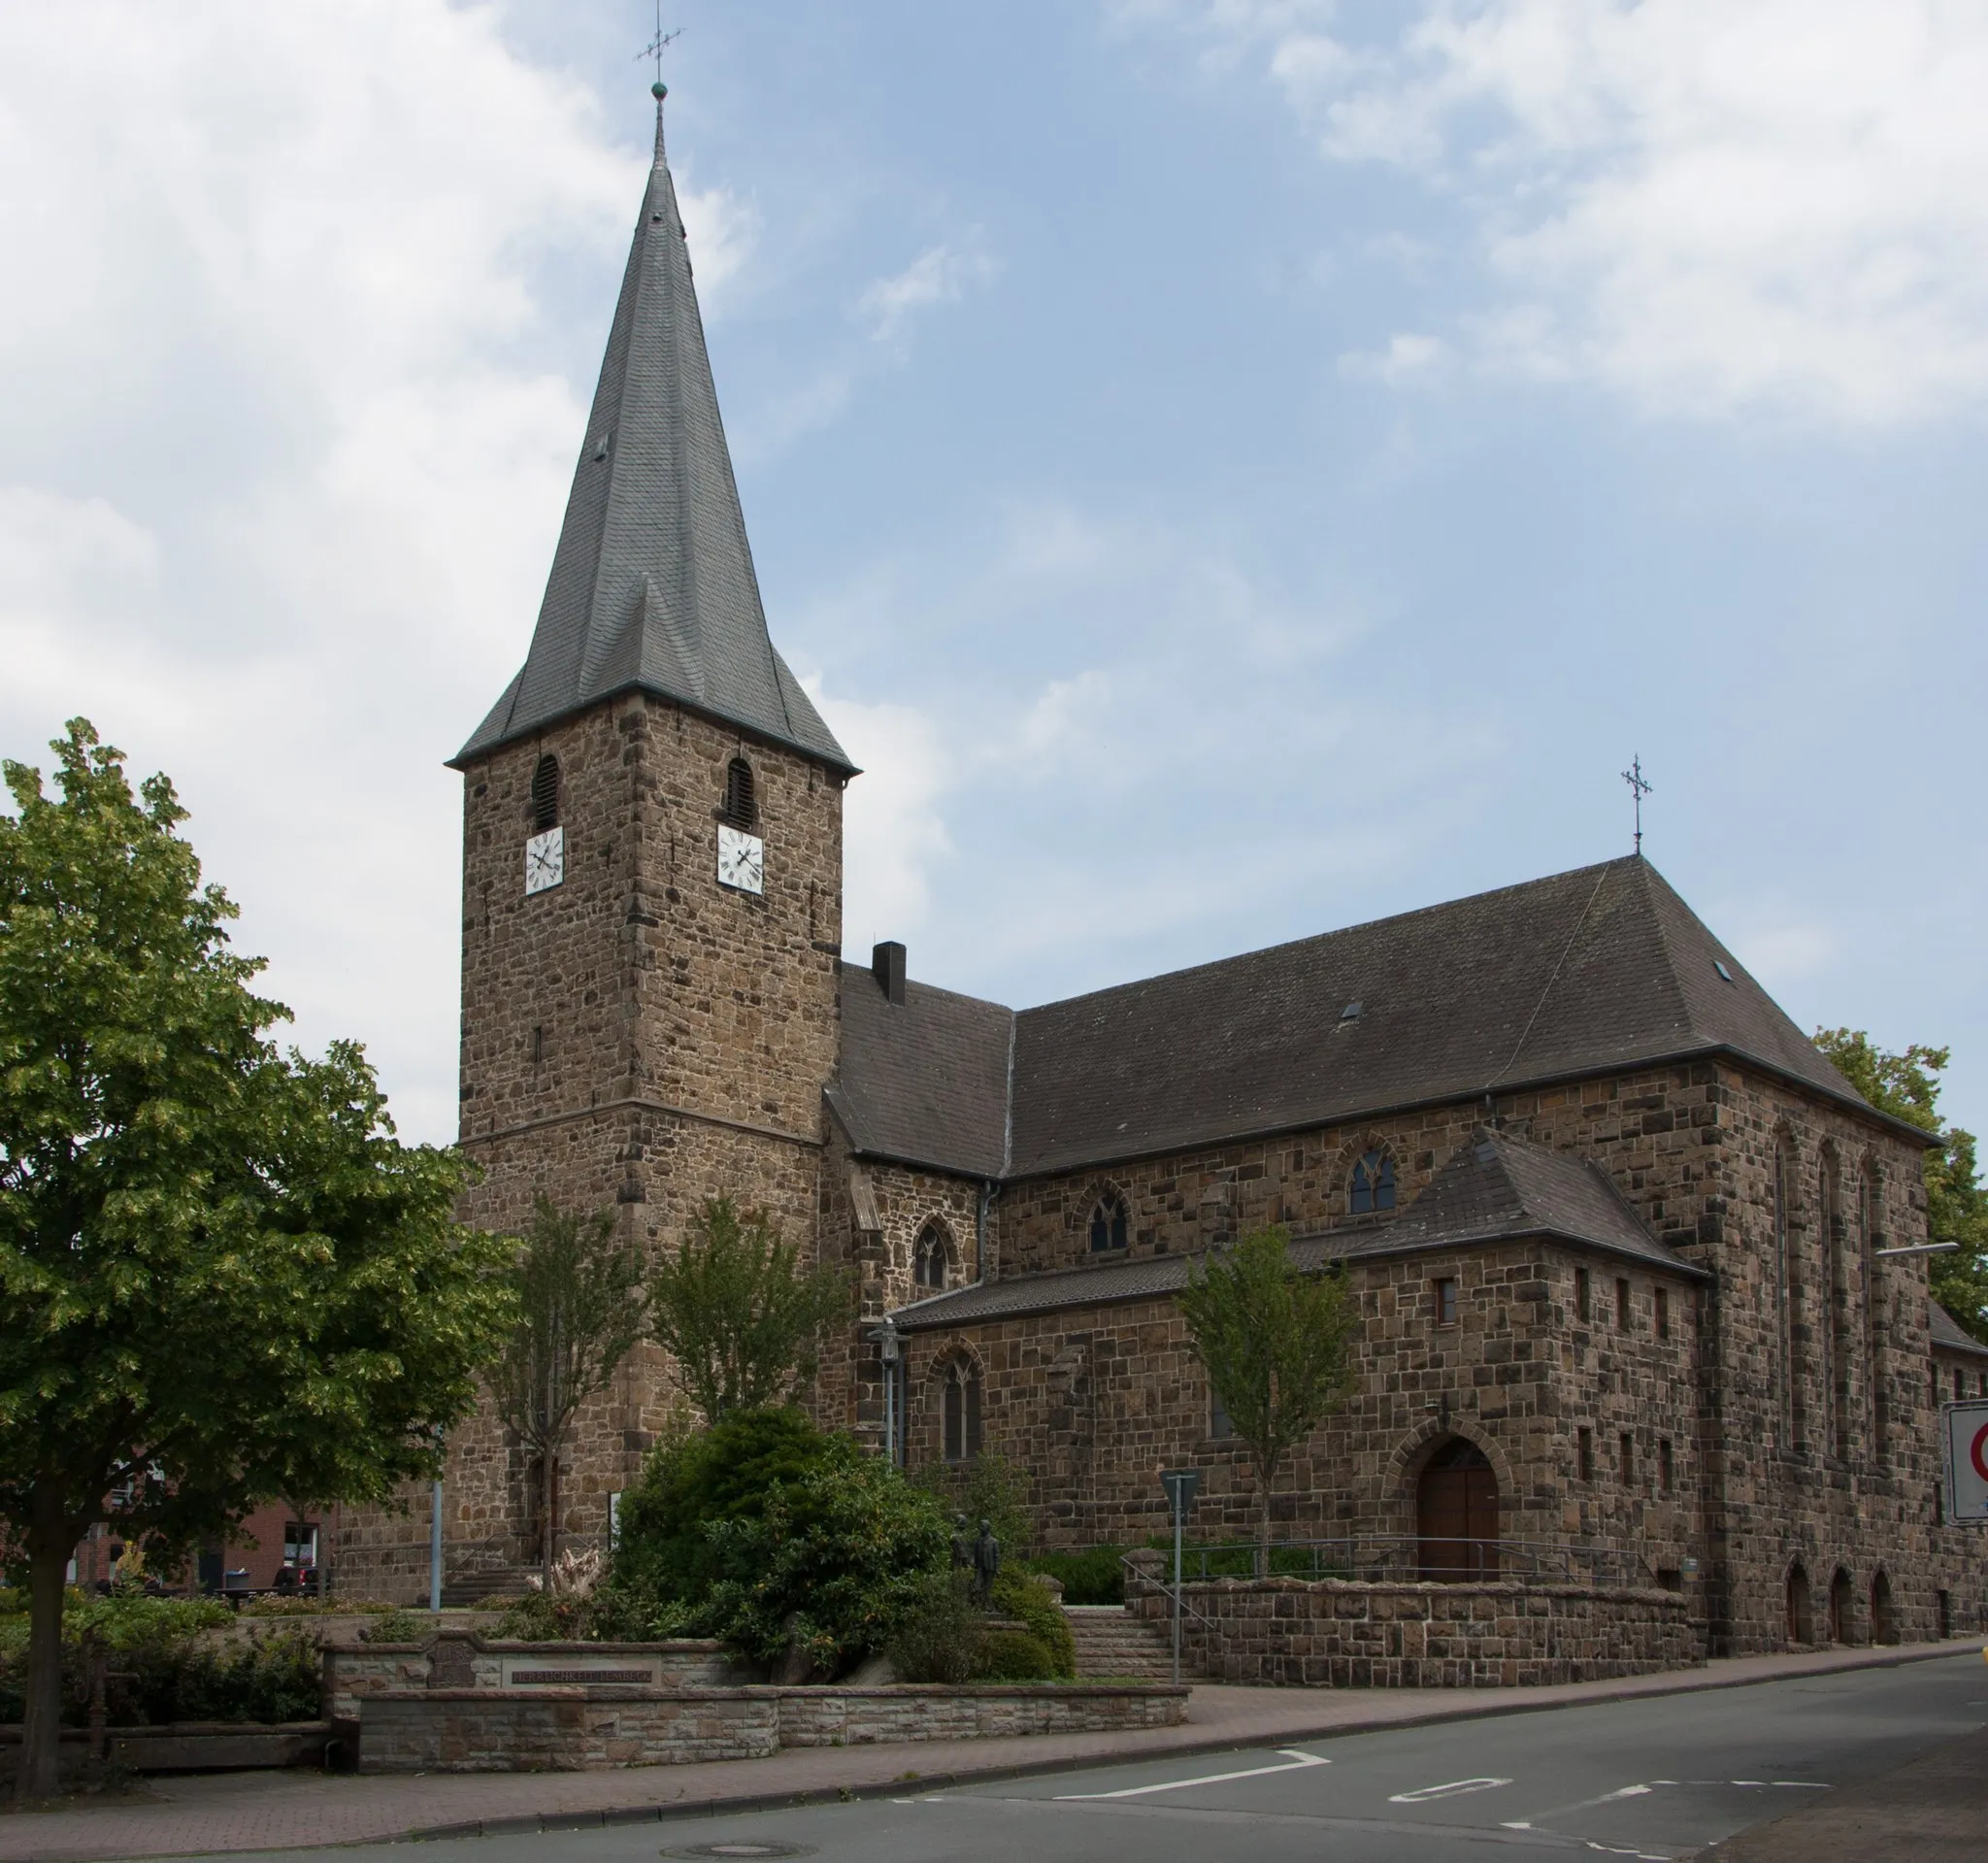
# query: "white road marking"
x,y
1456,1788
1297,1762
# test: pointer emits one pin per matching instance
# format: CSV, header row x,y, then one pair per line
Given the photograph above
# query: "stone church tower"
x,y
651,889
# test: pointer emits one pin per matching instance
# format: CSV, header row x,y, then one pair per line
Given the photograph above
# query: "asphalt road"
x,y
1642,1779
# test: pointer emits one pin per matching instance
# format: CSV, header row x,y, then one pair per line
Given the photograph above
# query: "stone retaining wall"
x,y
464,1659
575,1729
1338,1632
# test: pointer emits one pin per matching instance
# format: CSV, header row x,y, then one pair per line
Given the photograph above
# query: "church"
x,y
1622,1242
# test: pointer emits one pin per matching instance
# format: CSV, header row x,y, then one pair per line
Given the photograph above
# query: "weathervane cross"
x,y
1637,788
656,46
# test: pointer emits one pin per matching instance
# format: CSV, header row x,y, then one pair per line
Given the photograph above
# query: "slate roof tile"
x,y
1583,973
1497,1188
1948,1334
652,585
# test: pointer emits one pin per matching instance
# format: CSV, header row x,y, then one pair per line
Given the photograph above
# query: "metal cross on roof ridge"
x,y
1638,787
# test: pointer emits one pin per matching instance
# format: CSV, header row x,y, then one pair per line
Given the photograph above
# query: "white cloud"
x,y
893,831
938,275
287,443
1705,206
1407,359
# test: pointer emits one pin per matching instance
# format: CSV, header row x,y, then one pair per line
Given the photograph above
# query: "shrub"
x,y
399,1625
271,1606
665,1555
1012,1655
1091,1577
1030,1603
939,1633
162,1668
831,1566
769,1533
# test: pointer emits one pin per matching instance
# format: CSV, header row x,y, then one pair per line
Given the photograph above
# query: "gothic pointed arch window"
x,y
931,1259
960,1410
1793,1325
1878,1400
1373,1186
742,794
1110,1224
544,794
1836,1297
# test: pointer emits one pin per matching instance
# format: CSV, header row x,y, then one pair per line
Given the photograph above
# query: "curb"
x,y
743,1803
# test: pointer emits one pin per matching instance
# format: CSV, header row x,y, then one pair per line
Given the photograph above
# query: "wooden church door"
x,y
1456,1514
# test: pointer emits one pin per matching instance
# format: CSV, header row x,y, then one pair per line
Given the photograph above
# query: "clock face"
x,y
742,860
544,860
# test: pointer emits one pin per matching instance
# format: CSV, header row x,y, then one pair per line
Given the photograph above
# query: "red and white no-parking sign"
x,y
1966,1427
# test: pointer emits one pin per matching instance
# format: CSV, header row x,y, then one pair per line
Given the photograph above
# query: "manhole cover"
x,y
742,1851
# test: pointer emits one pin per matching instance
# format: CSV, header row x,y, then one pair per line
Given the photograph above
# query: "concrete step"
x,y
1112,1641
470,1588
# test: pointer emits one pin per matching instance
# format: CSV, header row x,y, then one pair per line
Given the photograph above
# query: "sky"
x,y
1226,469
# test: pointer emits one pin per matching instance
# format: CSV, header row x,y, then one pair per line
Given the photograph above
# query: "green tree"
x,y
1906,1085
1278,1346
739,1313
580,1313
223,1280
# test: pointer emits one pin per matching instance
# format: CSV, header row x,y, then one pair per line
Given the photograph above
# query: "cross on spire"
x,y
1637,788
655,49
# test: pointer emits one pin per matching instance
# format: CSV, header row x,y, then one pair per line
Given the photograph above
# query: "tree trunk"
x,y
1263,1479
549,1515
49,1551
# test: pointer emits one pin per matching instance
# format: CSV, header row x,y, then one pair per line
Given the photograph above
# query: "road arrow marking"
x,y
1456,1788
1296,1762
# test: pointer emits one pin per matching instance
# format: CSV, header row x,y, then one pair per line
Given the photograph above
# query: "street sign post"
x,y
1964,1434
1181,1486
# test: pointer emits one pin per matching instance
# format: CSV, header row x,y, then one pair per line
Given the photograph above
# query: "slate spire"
x,y
652,587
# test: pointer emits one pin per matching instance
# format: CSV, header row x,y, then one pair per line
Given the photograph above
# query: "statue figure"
x,y
962,1545
986,1561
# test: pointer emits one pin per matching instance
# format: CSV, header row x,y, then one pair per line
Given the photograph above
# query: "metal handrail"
x,y
1378,1557
1166,1585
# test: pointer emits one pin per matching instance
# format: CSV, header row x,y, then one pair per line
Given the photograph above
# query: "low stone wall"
x,y
575,1729
1335,1633
452,1658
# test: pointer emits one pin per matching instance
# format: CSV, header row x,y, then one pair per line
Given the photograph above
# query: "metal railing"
x,y
1398,1558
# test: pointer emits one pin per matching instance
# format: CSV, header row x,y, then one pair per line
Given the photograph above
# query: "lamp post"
x,y
887,1351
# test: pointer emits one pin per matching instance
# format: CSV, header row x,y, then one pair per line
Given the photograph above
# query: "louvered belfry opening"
x,y
546,795
742,801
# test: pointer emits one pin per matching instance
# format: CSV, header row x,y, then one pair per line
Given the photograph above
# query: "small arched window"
x,y
742,799
546,795
1373,1186
961,1400
1111,1226
929,1258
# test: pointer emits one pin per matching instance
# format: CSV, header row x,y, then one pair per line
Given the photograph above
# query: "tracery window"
x,y
960,1403
929,1258
1373,1186
1110,1226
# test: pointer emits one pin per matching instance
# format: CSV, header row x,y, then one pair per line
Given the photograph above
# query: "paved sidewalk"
x,y
204,1814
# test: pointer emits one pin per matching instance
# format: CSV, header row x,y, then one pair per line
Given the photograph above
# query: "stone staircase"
x,y
1112,1641
467,1591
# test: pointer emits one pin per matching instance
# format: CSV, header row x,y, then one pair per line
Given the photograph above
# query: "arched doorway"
x,y
1841,1608
1800,1612
1456,1514
1883,1626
